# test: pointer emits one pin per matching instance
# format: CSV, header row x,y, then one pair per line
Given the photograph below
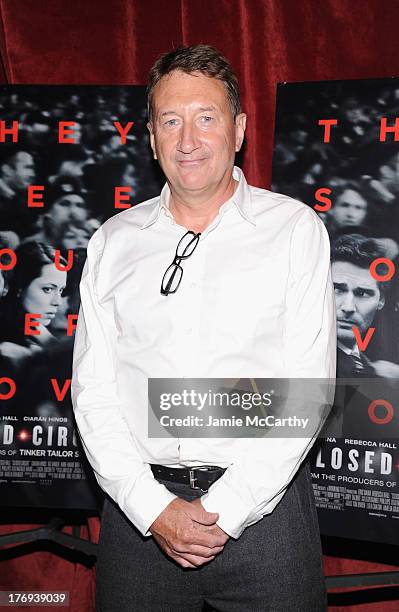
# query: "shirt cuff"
x,y
234,514
149,499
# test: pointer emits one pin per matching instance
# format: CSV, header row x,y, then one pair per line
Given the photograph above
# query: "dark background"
x,y
268,41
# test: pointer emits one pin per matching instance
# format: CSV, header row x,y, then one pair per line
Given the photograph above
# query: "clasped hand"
x,y
187,533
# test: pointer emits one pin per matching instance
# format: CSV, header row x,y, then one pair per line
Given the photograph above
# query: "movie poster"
x,y
337,150
70,157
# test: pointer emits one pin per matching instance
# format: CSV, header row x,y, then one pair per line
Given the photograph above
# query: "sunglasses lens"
x,y
173,275
172,278
187,245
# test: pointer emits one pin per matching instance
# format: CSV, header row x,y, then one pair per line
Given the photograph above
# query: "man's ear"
x,y
240,125
381,303
152,139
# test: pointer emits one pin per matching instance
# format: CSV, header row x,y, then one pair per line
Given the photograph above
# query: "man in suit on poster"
x,y
358,298
211,279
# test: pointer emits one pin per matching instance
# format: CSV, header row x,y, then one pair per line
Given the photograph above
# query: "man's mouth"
x,y
190,162
346,323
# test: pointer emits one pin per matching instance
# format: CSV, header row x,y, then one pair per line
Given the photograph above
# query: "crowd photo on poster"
x,y
70,157
336,149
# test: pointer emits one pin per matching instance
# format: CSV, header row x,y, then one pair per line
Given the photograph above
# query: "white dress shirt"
x,y
256,300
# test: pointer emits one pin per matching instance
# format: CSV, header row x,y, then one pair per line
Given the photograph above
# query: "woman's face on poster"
x,y
44,294
350,209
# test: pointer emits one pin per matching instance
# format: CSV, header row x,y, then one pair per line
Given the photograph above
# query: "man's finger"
x,y
183,562
194,560
198,514
203,538
200,551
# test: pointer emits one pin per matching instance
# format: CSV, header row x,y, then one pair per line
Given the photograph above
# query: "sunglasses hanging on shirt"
x,y
174,273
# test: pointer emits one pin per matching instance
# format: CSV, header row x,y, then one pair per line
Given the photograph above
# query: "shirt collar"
x,y
347,350
241,198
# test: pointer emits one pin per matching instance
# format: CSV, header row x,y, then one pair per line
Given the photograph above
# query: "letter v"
x,y
60,393
363,344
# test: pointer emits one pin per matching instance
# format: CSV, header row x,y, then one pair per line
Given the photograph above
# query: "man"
x,y
358,296
66,209
17,172
248,294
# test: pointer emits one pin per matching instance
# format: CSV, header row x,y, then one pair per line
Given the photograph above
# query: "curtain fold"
x,y
267,41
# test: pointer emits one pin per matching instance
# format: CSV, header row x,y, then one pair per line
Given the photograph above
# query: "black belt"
x,y
201,477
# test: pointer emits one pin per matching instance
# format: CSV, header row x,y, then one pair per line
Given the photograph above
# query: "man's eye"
x,y
206,119
362,293
337,290
171,122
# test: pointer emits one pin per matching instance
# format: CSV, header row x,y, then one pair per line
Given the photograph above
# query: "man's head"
x,y
202,59
17,168
358,295
195,120
349,208
66,206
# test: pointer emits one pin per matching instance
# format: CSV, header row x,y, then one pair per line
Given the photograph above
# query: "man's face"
x,y
357,298
349,209
193,133
22,170
70,167
68,209
75,237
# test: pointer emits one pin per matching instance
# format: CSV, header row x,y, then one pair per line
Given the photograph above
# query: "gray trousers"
x,y
274,566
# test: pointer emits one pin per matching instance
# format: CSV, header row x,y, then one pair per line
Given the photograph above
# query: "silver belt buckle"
x,y
193,477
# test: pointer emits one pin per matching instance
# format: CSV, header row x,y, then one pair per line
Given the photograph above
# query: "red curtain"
x,y
268,41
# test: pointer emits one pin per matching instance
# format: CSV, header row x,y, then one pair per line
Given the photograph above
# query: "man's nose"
x,y
348,302
188,141
75,213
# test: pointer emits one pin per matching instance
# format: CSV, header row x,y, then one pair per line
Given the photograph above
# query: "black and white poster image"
x,y
337,150
70,157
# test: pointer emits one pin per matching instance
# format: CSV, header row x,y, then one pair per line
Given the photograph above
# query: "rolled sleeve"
x,y
108,443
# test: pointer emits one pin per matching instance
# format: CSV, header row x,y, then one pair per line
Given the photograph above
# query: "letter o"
x,y
377,420
13,258
382,277
11,392
336,458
